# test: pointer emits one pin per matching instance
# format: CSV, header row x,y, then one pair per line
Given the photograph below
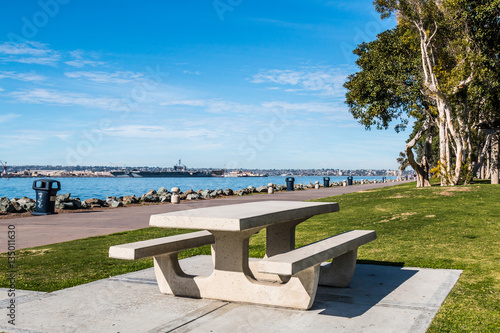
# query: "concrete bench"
x,y
161,246
342,249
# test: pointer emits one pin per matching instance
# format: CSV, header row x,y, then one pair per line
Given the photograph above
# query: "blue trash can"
x,y
326,182
46,191
289,183
349,180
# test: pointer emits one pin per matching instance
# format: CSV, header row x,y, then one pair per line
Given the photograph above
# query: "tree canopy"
x,y
439,66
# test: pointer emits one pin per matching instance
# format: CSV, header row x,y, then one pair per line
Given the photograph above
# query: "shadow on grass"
x,y
370,285
381,263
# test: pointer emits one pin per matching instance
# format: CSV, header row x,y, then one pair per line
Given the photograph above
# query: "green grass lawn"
x,y
450,228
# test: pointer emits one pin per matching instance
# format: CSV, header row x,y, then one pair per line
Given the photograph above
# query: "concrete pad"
x,y
379,299
21,296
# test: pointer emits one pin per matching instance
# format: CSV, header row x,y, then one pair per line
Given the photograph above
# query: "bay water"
x,y
86,188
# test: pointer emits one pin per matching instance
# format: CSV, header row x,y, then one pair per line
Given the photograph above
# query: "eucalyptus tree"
x,y
482,22
389,89
453,36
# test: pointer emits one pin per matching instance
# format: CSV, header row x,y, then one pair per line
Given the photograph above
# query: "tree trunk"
x,y
421,169
495,148
482,156
488,167
458,145
444,157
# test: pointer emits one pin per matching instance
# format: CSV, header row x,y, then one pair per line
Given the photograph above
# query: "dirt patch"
x,y
38,252
398,197
408,214
430,215
402,216
449,191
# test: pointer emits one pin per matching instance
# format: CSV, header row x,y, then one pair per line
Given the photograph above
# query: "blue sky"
x,y
224,83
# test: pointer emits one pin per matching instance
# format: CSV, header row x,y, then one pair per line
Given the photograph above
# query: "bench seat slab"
x,y
294,261
163,245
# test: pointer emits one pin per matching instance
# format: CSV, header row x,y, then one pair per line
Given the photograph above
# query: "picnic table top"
x,y
243,216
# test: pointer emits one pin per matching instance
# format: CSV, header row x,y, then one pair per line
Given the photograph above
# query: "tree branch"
x,y
463,83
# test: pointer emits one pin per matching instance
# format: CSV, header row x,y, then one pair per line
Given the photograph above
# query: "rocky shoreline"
x,y
64,202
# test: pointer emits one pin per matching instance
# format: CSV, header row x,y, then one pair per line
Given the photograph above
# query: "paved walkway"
x,y
42,230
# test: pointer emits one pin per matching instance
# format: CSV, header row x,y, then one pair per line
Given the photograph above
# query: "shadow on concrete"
x,y
370,285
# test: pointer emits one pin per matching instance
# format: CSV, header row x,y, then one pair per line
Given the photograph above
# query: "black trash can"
x,y
46,191
289,183
326,182
349,180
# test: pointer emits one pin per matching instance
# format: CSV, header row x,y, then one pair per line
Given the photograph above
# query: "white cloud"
x,y
25,138
221,106
31,137
214,105
81,59
106,77
48,61
189,72
83,63
156,132
8,117
22,76
307,107
1,89
29,53
278,76
40,96
336,109
187,102
27,48
324,80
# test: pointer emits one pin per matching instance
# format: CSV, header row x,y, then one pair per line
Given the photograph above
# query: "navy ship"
x,y
177,171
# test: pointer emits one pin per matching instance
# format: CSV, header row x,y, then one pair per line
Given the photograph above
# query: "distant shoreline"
x,y
75,176
59,171
53,176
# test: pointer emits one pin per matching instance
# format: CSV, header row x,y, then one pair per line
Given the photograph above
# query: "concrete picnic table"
x,y
286,277
235,278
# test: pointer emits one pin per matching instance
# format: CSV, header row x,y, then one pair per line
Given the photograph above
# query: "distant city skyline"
x,y
104,171
223,84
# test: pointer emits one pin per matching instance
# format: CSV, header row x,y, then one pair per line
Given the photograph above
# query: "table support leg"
x,y
230,251
281,237
171,278
232,280
340,271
